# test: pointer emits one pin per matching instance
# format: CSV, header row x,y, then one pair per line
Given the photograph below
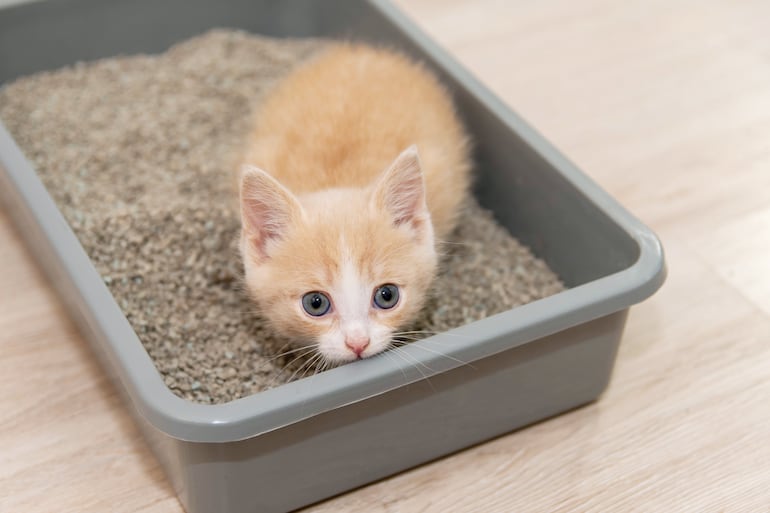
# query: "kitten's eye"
x,y
316,303
386,296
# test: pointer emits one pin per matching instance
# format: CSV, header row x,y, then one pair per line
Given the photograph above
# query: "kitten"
x,y
366,166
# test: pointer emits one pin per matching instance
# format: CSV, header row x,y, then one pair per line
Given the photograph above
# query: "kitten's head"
x,y
340,268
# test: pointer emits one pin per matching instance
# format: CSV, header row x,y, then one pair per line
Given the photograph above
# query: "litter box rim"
x,y
98,314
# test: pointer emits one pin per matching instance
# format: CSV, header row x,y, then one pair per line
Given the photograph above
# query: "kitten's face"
x,y
340,268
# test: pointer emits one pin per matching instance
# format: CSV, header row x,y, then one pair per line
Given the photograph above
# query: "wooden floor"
x,y
667,105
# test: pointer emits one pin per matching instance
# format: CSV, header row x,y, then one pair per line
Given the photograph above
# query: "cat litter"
x,y
138,153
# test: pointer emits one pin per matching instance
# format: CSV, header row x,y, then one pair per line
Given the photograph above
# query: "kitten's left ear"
x,y
401,192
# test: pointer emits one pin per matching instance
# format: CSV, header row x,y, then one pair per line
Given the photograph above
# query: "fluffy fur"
x,y
365,168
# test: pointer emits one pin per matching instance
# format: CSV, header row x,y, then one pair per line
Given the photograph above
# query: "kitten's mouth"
x,y
353,350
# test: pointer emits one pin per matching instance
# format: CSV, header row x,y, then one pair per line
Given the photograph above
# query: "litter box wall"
x,y
371,439
310,439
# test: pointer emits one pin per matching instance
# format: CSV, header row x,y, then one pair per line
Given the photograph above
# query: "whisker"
x,y
288,365
319,365
291,378
328,364
444,355
321,368
285,346
415,360
299,356
414,363
312,362
439,353
304,364
394,351
291,351
408,338
428,332
393,359
403,342
452,242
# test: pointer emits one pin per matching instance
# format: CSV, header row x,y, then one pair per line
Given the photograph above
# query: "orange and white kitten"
x,y
365,168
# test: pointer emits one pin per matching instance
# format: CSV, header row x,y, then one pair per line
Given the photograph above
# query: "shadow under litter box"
x,y
138,154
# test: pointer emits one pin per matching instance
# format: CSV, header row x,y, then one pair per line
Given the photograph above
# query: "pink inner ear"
x,y
266,209
402,190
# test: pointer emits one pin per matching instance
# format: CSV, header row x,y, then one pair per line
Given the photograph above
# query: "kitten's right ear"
x,y
267,209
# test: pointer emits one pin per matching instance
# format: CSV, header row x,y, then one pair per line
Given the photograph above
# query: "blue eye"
x,y
316,303
386,296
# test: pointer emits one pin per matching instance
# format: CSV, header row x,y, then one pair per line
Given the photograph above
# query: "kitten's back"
x,y
340,120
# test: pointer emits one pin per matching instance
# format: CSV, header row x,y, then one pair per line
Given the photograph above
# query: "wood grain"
x,y
665,104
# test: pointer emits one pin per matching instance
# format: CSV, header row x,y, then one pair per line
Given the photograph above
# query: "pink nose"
x,y
357,344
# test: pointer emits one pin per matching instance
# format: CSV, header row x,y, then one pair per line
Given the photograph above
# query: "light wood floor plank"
x,y
667,105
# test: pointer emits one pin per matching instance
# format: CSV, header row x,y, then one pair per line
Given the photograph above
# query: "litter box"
x,y
319,436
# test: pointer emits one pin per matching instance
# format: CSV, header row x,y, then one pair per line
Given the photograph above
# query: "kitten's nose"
x,y
357,344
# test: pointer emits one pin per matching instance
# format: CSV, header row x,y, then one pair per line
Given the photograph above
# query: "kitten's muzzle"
x,y
357,344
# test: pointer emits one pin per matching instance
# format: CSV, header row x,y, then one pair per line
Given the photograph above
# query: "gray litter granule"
x,y
138,154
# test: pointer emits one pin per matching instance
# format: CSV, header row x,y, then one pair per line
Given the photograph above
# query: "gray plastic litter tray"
x,y
310,439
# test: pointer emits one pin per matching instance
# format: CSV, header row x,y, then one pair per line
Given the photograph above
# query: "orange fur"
x,y
343,214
